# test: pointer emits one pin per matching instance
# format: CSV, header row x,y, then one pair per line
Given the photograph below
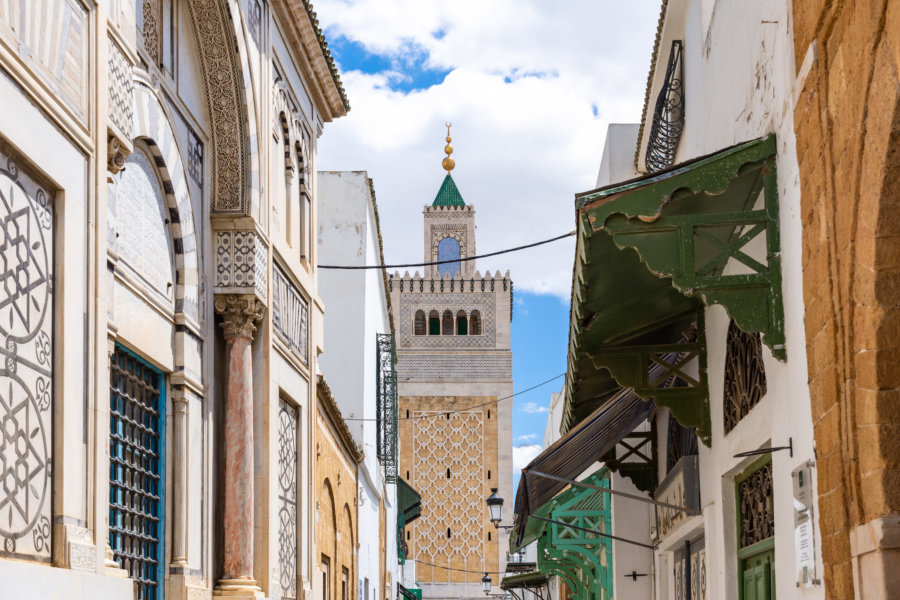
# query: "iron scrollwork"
x,y
745,375
757,510
681,441
668,116
388,409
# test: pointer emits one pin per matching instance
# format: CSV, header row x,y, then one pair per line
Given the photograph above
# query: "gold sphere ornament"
x,y
448,164
448,149
449,139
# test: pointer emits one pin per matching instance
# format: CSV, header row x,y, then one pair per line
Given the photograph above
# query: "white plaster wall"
x,y
617,162
356,311
631,520
739,81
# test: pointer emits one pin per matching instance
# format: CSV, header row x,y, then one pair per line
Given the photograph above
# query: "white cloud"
x,y
527,437
523,148
532,408
522,455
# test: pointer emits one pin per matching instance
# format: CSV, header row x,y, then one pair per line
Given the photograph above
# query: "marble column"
x,y
239,314
179,477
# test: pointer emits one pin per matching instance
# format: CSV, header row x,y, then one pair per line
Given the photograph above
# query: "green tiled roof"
x,y
448,195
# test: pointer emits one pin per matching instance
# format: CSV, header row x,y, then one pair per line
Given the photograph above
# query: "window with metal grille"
x,y
136,483
387,408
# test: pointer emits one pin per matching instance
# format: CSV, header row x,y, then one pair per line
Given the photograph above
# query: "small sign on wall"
x,y
804,525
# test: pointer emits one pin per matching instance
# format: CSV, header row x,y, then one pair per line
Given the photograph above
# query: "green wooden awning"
x,y
409,502
651,254
524,580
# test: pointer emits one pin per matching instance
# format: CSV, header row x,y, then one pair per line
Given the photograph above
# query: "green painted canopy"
x,y
448,195
409,502
651,253
524,580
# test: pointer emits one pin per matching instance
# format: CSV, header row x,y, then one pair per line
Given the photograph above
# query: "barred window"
x,y
136,487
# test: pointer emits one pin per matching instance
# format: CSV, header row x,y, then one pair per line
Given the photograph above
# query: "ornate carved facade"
x,y
152,422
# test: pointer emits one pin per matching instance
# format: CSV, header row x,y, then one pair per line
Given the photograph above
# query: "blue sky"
x,y
530,87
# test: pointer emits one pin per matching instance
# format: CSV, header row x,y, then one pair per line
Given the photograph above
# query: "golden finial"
x,y
448,163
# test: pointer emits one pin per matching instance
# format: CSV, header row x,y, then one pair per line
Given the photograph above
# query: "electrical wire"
x,y
428,564
450,412
454,260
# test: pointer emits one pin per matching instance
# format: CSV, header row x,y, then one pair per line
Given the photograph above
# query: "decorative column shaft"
x,y
240,314
179,479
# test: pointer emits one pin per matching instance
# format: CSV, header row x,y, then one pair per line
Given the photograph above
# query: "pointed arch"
x,y
419,325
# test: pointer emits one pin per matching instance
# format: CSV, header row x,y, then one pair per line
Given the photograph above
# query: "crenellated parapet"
x,y
478,282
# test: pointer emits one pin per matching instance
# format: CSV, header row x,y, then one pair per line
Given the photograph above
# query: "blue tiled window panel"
x,y
448,249
136,481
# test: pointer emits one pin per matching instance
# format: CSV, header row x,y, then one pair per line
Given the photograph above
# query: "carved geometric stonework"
x,y
241,260
26,372
80,552
290,314
221,74
120,88
119,126
287,499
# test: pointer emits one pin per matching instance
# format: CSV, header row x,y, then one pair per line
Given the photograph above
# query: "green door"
x,y
758,582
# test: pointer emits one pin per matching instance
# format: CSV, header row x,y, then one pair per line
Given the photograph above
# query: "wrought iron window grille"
x,y
745,375
756,506
387,405
668,116
136,505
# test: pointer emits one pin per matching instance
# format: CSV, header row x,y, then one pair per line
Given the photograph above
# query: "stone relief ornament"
x,y
239,314
287,499
220,73
26,374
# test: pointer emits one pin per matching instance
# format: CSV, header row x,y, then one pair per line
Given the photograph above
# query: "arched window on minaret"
x,y
475,323
447,323
419,325
448,249
434,323
462,323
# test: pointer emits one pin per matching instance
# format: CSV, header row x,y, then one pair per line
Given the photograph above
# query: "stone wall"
x,y
847,121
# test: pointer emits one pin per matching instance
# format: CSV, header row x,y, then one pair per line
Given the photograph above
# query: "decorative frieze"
x,y
681,487
241,258
454,302
441,365
290,314
26,331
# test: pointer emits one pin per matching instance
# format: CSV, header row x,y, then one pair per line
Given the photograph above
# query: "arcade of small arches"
x,y
448,323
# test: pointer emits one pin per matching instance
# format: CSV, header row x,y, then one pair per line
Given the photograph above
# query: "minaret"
x,y
454,363
449,225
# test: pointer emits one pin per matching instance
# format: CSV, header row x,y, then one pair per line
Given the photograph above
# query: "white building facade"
x,y
360,316
162,332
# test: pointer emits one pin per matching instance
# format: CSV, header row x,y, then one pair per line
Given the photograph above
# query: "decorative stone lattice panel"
x,y
121,89
287,499
26,374
290,314
455,443
241,261
195,157
450,366
483,302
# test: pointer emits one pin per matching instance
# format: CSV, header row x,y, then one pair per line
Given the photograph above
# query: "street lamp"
x,y
495,507
486,583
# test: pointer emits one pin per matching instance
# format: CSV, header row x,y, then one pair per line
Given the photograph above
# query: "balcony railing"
x,y
668,117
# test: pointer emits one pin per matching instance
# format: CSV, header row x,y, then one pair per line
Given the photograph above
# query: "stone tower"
x,y
453,364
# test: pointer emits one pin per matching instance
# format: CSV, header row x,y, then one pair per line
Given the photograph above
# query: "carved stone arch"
x,y
152,125
230,120
459,236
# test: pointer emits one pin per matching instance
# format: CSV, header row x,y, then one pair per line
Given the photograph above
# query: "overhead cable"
x,y
454,260
441,413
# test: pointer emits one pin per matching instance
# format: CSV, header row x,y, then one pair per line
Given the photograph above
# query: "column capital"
x,y
240,313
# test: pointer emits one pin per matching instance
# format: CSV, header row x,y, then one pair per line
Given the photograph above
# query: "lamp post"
x,y
486,583
495,508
